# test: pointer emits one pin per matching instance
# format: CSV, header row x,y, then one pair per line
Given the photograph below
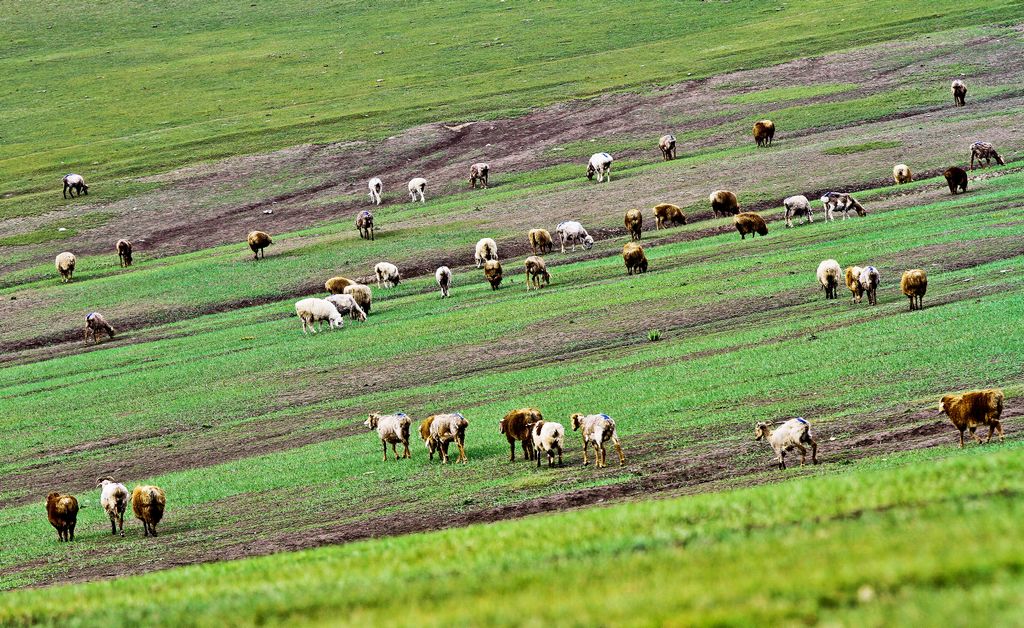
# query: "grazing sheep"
x,y
486,250
984,150
634,257
600,164
364,223
548,437
914,284
793,434
393,429
376,186
387,275
418,187
750,223
667,215
667,144
764,132
362,295
446,428
540,241
869,279
956,177
797,206
148,503
901,174
428,442
114,499
337,285
347,304
959,93
62,511
852,277
492,272
572,232
95,322
970,409
828,276
597,428
65,263
843,202
313,311
536,271
515,427
124,252
258,241
443,275
634,224
724,202
478,172
75,183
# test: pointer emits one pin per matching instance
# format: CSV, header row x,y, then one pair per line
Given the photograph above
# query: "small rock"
x,y
268,211
62,229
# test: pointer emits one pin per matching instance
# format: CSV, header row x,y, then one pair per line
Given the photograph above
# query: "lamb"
x,y
540,241
387,275
901,174
486,250
62,511
536,271
868,280
94,322
667,144
393,429
446,428
797,206
750,223
114,499
428,442
914,285
959,93
843,202
124,252
376,186
313,311
65,263
548,437
364,223
347,304
478,172
597,428
337,285
572,232
828,276
258,241
515,427
634,224
75,183
724,202
492,272
984,150
956,178
969,410
443,275
600,164
667,215
148,503
634,257
362,295
764,132
793,434
852,276
417,187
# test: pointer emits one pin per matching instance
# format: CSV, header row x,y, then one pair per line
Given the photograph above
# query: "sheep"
x,y
65,263
901,174
362,295
364,223
62,511
724,202
417,187
970,409
667,215
852,276
536,271
956,177
634,258
347,304
75,183
148,503
573,232
515,427
443,275
634,224
337,285
94,322
914,285
387,275
548,437
258,241
959,93
793,434
749,222
764,132
597,428
984,150
667,144
428,442
843,202
486,250
478,172
797,206
114,499
393,429
313,311
600,164
376,186
868,280
124,252
446,428
540,241
492,272
828,276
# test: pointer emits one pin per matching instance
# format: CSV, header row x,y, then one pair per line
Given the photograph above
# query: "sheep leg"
x,y
120,523
600,455
538,462
961,439
560,456
385,443
585,446
991,428
512,450
803,454
113,526
462,451
406,453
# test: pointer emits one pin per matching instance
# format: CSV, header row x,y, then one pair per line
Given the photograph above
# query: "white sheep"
x,y
793,434
486,250
600,164
417,187
392,428
868,280
387,275
65,263
446,428
548,437
597,428
797,206
346,304
313,311
833,201
829,273
573,232
75,183
443,275
114,499
376,186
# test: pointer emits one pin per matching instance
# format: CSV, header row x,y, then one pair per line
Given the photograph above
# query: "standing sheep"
x,y
956,177
634,224
393,429
387,275
597,428
724,202
540,241
486,250
347,304
667,144
446,428
572,232
75,183
362,295
901,174
797,206
959,93
914,285
793,434
667,215
548,437
478,173
828,276
984,150
750,223
492,272
536,270
843,202
337,285
634,257
764,132
869,280
418,187
124,252
443,276
970,409
313,311
364,223
148,503
852,277
515,427
65,263
600,165
62,511
376,186
114,499
258,241
94,322
428,442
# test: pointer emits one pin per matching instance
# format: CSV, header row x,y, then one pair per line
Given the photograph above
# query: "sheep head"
x,y
501,427
762,431
577,421
588,242
371,421
591,171
104,480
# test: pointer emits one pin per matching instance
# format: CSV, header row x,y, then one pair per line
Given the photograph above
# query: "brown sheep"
x,y
514,427
337,285
447,428
634,257
478,173
956,177
95,322
540,241
764,132
361,294
364,223
667,144
148,504
536,270
959,93
124,252
492,272
970,409
258,241
749,222
853,282
914,284
724,202
667,215
425,435
901,174
62,511
634,224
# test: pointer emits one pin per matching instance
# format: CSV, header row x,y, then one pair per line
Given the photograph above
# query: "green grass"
x,y
861,148
781,94
71,227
